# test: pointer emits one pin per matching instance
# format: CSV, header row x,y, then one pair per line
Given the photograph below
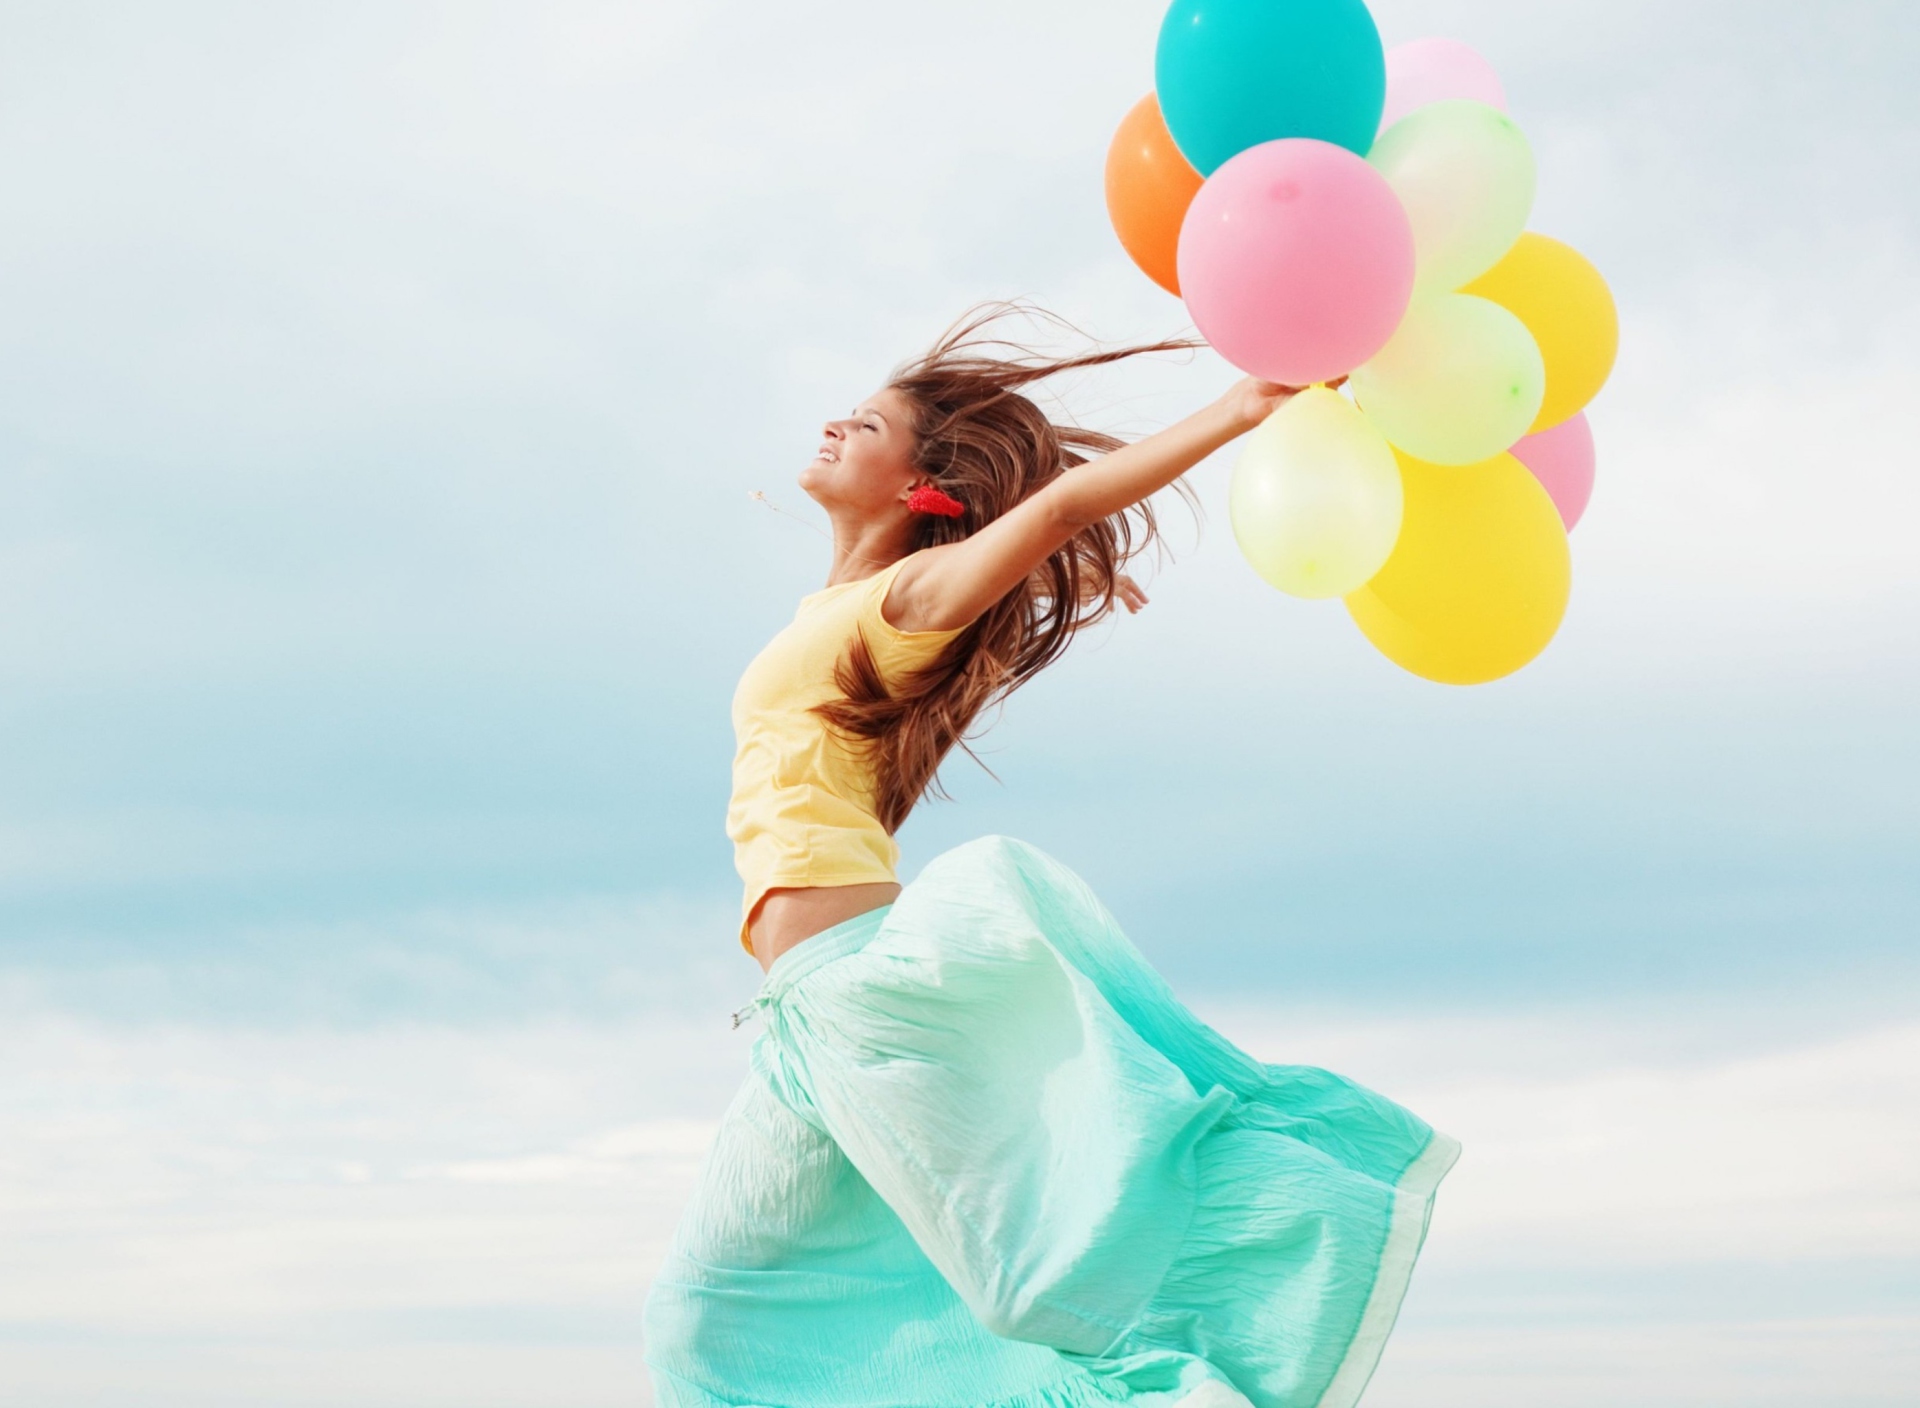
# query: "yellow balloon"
x,y
1315,496
1568,308
1479,578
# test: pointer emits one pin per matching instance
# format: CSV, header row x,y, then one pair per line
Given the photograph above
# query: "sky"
x,y
381,390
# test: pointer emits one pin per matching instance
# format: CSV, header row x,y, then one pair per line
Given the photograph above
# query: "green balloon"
x,y
1315,499
1465,174
1460,381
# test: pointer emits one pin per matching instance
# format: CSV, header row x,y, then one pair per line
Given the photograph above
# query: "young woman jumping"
x,y
984,1158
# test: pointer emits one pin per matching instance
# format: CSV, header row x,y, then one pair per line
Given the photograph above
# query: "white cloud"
x,y
187,1183
1588,1147
608,1157
1864,1361
247,1196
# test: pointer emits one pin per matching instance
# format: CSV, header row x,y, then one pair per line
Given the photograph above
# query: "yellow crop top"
x,y
802,808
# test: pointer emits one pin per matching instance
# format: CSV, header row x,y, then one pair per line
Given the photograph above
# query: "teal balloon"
x,y
1232,74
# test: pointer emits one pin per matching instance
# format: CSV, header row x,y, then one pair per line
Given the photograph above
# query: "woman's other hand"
x,y
1129,593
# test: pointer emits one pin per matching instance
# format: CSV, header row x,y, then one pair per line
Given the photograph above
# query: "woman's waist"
x,y
805,860
789,917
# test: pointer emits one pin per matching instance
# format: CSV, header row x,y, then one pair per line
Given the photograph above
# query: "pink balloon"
x,y
1562,459
1296,260
1423,71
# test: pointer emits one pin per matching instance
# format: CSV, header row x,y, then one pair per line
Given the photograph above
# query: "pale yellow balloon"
x,y
1568,308
1465,176
1315,498
1460,380
1478,581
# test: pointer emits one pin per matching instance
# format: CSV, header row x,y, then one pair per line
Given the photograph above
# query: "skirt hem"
x,y
1078,1391
1406,1232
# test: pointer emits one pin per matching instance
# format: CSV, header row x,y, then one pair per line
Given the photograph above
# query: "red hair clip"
x,y
927,499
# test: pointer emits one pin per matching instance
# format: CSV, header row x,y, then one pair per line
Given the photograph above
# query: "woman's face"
x,y
865,462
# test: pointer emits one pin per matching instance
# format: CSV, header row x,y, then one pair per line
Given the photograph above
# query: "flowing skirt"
x,y
986,1159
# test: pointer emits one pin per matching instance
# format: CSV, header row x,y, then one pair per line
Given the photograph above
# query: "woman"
x,y
984,1156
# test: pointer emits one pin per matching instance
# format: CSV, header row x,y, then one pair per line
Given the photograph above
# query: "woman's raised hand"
x,y
1252,400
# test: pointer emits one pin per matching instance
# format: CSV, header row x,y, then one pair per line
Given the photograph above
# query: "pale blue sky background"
x,y
380,390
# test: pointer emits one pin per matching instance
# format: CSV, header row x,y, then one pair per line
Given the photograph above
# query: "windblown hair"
x,y
990,447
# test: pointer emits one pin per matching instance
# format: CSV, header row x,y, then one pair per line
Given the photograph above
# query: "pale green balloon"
x,y
1315,499
1465,174
1460,380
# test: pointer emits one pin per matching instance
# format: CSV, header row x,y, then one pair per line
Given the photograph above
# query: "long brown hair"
x,y
990,447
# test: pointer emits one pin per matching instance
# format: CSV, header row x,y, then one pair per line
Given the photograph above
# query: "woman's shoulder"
x,y
887,606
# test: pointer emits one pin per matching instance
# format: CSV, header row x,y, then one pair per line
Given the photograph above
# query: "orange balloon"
x,y
1149,187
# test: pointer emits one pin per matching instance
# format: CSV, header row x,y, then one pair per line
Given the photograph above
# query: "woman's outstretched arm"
x,y
948,586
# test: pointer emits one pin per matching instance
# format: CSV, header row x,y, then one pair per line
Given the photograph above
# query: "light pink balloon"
x,y
1296,261
1562,459
1423,71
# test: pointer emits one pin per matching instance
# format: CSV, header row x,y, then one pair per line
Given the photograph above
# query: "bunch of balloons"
x,y
1329,210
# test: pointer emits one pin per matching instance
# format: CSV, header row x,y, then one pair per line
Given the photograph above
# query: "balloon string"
x,y
760,498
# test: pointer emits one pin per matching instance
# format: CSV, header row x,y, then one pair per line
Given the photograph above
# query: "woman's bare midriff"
x,y
785,918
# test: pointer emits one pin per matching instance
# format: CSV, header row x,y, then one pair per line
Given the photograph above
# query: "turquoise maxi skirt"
x,y
985,1159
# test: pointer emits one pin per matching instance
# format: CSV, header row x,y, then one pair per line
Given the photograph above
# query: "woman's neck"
x,y
861,549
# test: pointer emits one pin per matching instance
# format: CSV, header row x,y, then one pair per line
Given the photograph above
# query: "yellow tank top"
x,y
802,812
